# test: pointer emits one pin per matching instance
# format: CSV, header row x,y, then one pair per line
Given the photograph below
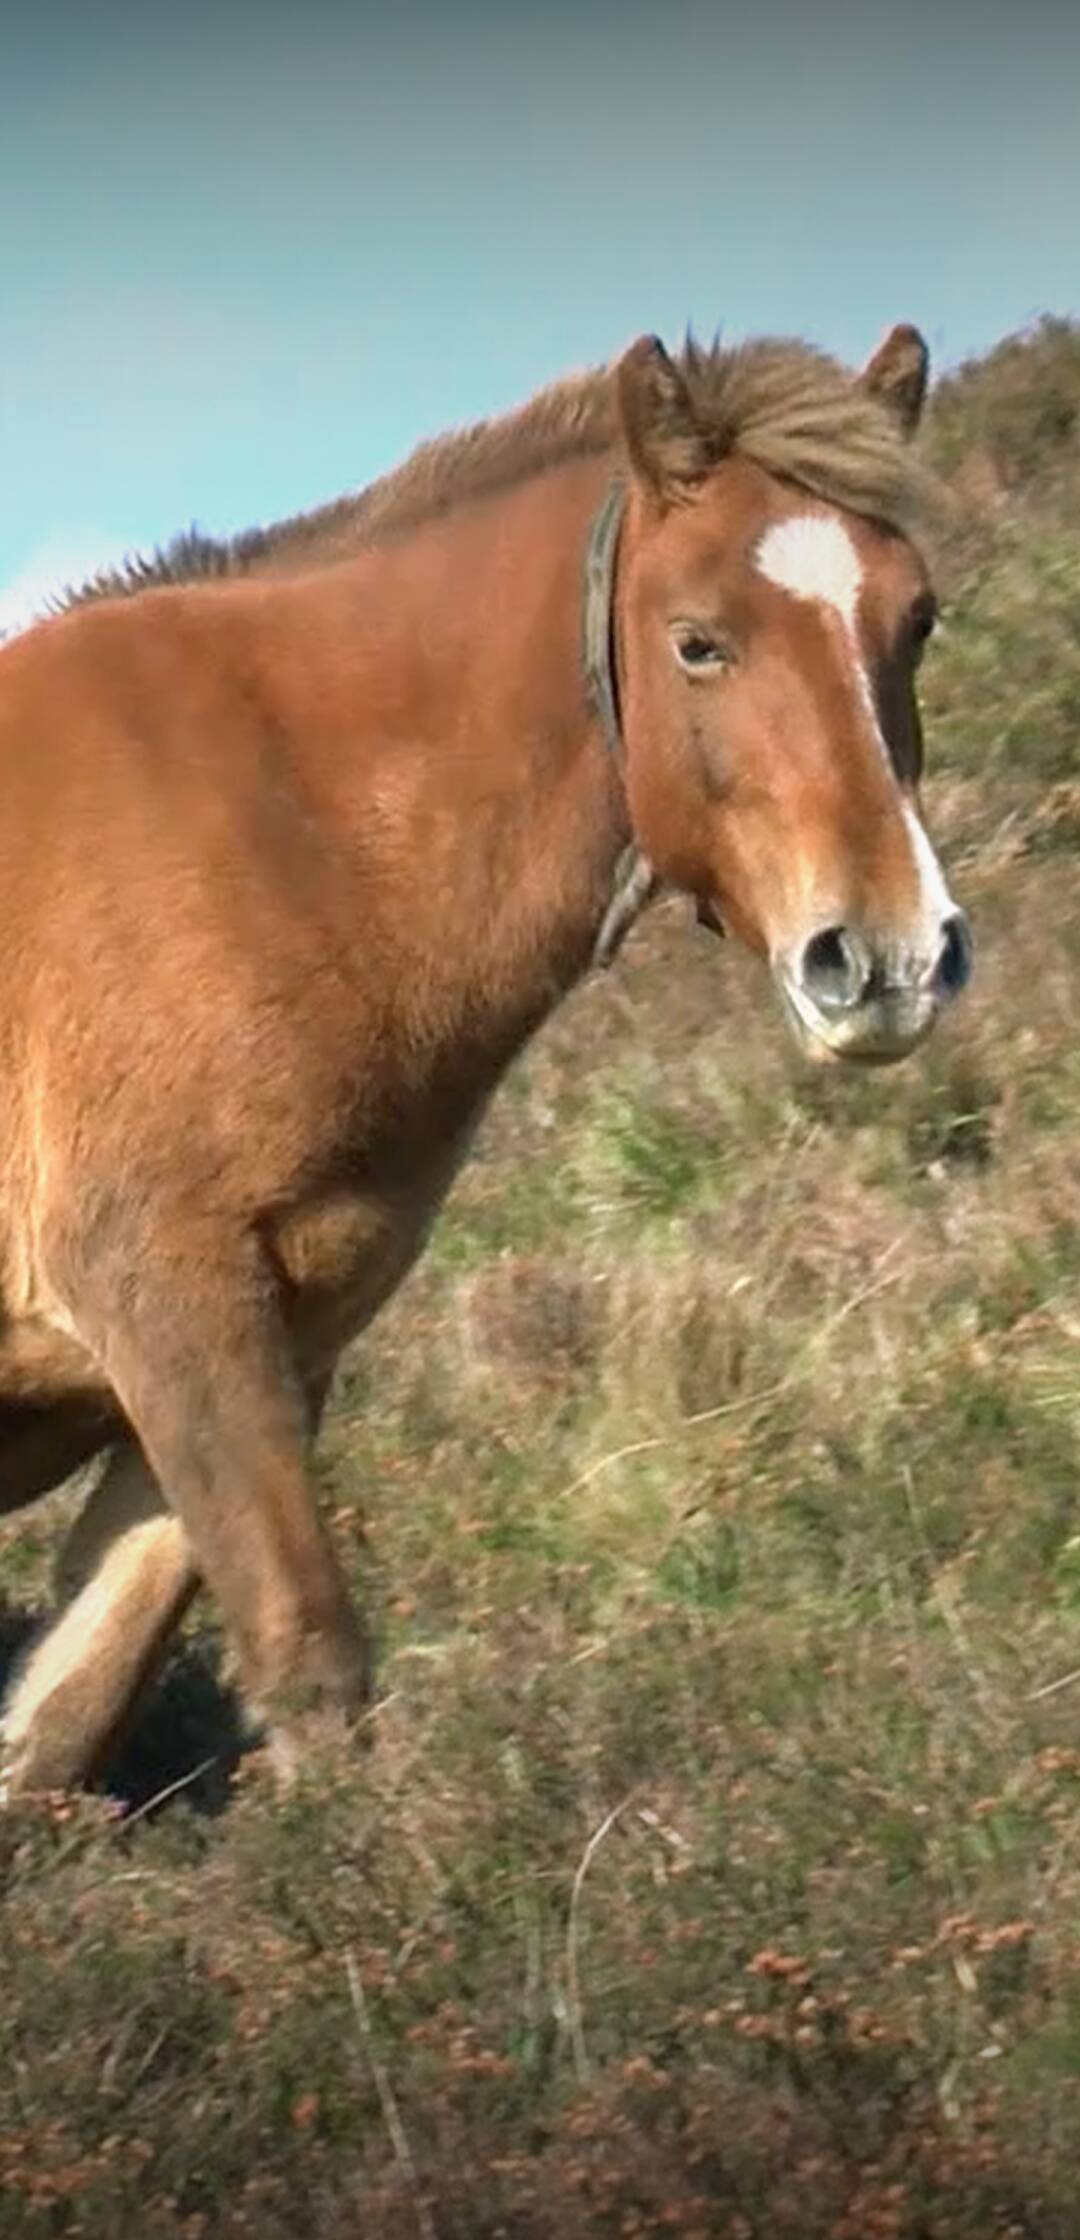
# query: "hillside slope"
x,y
714,1488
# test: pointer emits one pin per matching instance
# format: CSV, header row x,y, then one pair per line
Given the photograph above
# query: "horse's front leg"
x,y
197,1353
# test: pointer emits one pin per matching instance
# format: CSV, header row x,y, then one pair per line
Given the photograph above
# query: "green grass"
x,y
713,1487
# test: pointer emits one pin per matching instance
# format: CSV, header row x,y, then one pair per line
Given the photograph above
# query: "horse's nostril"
x,y
835,968
957,956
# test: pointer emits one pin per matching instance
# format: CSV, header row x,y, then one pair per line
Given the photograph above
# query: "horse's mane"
x,y
783,404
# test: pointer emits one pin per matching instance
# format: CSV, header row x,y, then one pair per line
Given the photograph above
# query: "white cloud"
x,y
51,569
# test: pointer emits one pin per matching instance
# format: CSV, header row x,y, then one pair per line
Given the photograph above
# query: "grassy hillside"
x,y
714,1488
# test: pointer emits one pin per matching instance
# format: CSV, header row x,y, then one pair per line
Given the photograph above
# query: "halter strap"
x,y
634,883
601,553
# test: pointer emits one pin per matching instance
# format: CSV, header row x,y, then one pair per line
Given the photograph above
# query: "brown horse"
x,y
292,862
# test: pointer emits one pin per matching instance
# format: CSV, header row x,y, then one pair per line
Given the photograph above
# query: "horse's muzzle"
x,y
849,994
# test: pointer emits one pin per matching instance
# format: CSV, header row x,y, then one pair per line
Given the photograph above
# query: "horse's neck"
x,y
495,796
475,805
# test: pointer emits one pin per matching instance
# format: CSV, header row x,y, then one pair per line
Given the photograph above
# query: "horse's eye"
x,y
697,649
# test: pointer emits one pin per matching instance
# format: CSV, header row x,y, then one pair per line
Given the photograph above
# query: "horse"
x,y
303,835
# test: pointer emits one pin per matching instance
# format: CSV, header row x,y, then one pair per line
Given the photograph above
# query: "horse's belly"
x,y
42,1359
56,1410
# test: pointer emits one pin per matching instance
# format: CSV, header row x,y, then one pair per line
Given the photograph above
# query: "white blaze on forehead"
x,y
813,557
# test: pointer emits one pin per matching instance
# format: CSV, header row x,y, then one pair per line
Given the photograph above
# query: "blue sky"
x,y
250,255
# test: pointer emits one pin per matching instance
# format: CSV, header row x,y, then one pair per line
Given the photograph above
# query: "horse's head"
x,y
770,617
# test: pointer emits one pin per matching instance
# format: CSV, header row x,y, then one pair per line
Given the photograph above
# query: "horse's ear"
x,y
666,448
897,375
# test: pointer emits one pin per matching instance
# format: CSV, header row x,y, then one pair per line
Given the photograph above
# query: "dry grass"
x,y
713,1485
